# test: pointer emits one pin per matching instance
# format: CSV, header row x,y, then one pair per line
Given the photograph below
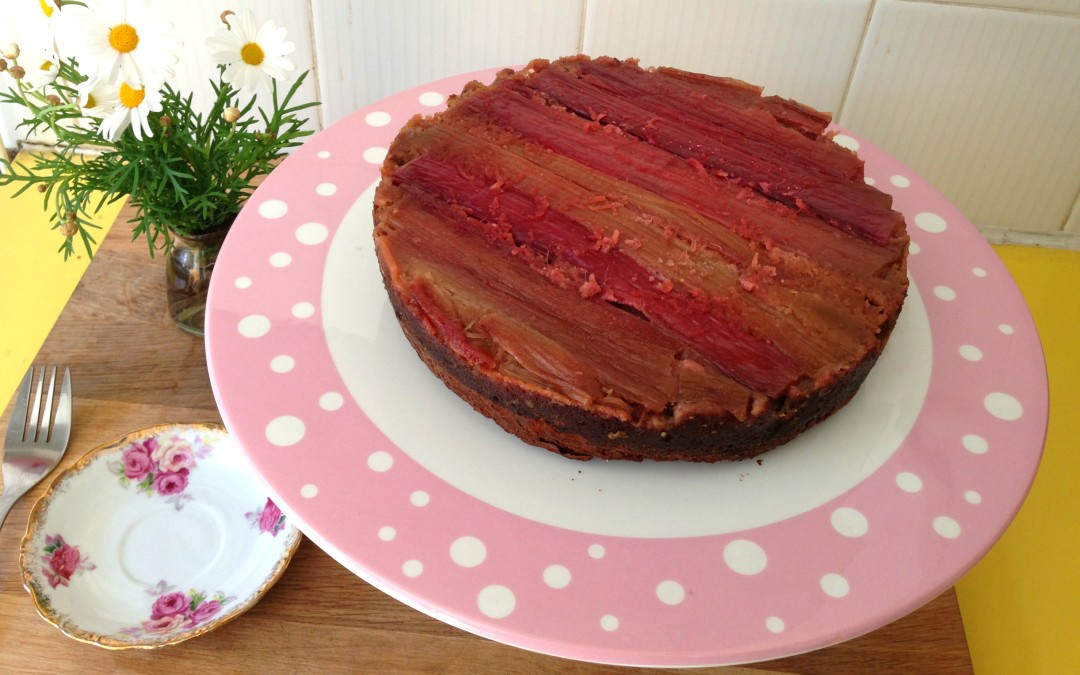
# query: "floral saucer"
x,y
155,538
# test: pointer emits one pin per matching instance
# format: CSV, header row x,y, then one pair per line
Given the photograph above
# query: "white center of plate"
x,y
161,542
467,450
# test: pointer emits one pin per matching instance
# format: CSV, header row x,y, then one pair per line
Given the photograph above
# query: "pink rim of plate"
x,y
875,553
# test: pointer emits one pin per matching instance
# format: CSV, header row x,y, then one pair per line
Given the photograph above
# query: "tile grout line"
x,y
1001,8
855,63
315,70
581,29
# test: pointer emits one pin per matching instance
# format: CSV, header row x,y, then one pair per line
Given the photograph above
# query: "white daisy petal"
x,y
146,53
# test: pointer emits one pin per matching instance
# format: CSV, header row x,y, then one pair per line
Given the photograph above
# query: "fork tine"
x,y
46,411
35,410
17,424
61,429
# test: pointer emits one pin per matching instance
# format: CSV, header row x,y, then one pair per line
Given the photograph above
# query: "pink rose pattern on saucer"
x,y
177,611
62,561
161,468
268,518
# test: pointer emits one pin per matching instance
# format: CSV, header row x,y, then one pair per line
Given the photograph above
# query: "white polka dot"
x,y
412,568
420,498
281,259
846,141
1006,329
979,272
930,222
849,522
557,576
869,181
775,624
282,363
835,586
377,118
374,155
971,353
387,533
242,282
468,551
908,482
947,527
254,326
273,208
331,401
945,293
1003,406
312,233
496,602
380,461
745,557
972,497
323,154
309,490
303,310
285,430
914,248
596,551
899,181
670,592
609,622
975,444
431,98
325,189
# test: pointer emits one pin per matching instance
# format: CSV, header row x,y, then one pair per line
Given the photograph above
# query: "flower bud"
x,y
3,65
69,228
53,99
231,114
165,121
10,51
42,187
17,72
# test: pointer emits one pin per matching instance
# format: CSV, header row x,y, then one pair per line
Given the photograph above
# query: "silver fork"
x,y
36,438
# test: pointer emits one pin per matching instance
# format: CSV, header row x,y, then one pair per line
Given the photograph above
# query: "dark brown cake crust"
x,y
468,176
540,420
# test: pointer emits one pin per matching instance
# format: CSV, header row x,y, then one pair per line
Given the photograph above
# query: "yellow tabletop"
x,y
35,281
1019,604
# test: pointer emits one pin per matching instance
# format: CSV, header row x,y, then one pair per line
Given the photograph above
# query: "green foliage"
x,y
191,176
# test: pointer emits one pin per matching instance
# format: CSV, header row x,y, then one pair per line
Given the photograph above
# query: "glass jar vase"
x,y
188,267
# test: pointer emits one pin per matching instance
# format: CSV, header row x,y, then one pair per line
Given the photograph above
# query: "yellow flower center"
x,y
46,65
46,8
252,54
124,38
131,97
90,102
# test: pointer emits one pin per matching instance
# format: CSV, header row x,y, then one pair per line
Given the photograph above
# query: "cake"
x,y
620,262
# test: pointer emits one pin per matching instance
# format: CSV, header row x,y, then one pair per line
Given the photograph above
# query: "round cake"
x,y
626,263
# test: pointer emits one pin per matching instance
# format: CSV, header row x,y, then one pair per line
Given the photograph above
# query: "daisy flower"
x,y
35,41
133,109
48,8
252,54
120,40
97,99
41,67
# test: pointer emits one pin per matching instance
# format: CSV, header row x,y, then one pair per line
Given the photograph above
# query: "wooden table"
x,y
132,368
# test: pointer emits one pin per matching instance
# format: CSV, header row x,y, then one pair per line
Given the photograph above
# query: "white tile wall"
x,y
984,103
982,97
369,49
801,49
